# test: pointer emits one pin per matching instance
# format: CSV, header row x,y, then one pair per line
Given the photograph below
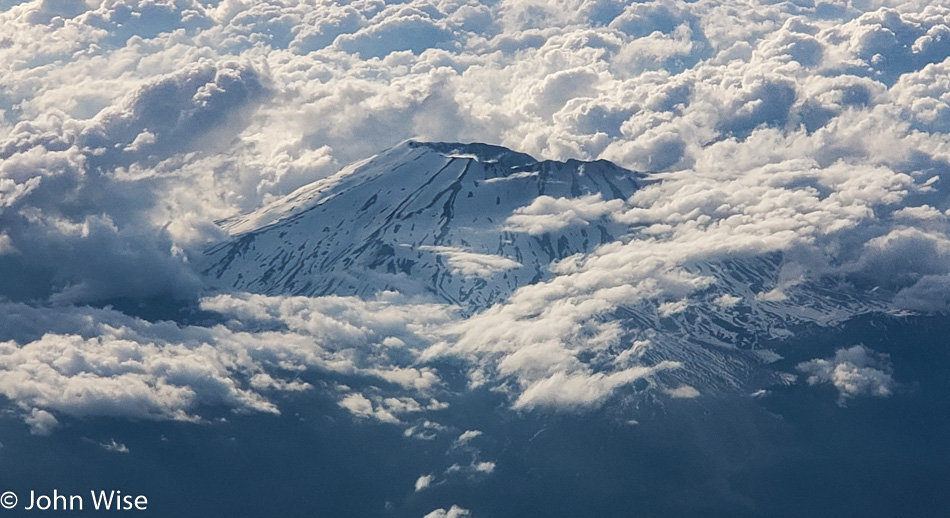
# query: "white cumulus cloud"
x,y
855,371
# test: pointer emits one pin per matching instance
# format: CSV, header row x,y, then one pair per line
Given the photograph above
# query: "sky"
x,y
815,130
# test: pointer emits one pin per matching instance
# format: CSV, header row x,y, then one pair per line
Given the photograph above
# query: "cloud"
x,y
41,422
394,29
85,362
423,482
578,391
453,512
467,436
426,430
386,409
57,171
485,467
855,371
547,214
671,308
197,107
927,295
111,376
474,469
464,464
114,447
727,301
683,392
471,264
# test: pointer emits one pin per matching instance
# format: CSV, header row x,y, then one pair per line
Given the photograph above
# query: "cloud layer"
x,y
814,133
84,362
187,113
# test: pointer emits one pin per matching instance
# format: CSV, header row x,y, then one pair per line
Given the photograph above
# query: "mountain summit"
x,y
421,218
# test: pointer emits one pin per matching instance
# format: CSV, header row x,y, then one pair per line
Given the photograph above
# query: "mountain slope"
x,y
418,218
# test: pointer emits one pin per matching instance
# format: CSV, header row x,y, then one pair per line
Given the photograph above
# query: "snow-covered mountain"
x,y
418,218
434,220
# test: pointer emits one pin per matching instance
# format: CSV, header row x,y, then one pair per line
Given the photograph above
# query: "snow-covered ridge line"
x,y
316,193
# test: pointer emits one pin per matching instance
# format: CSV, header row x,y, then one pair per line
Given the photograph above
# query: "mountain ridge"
x,y
414,212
